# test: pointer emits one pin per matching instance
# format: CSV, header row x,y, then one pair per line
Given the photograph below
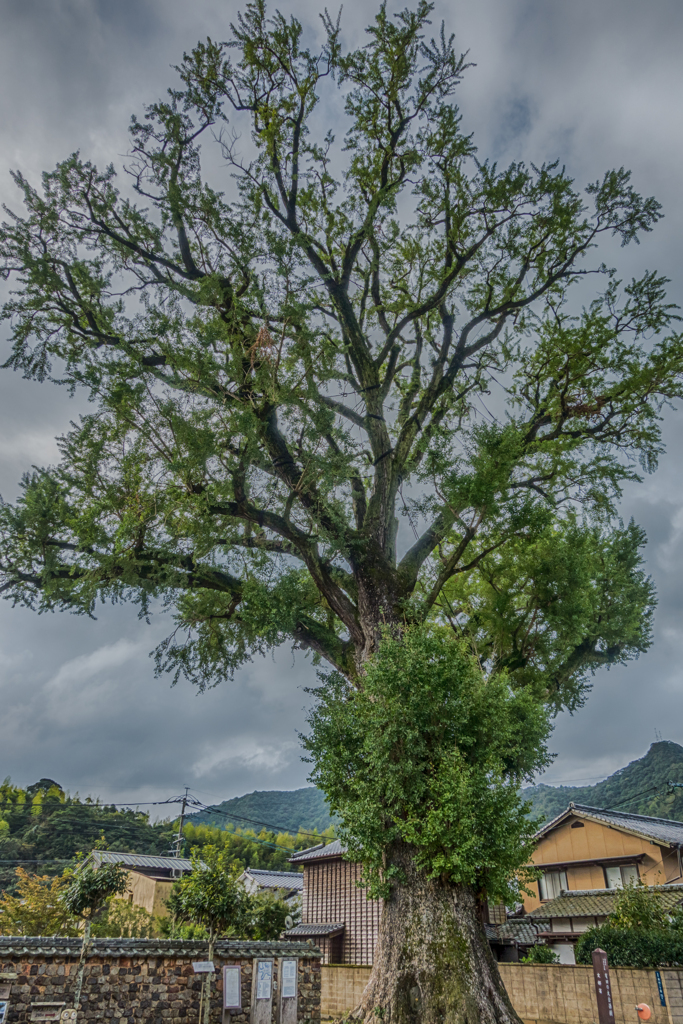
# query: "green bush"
x,y
633,947
541,955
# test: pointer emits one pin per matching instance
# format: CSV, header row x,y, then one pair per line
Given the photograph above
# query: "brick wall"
x,y
540,994
127,981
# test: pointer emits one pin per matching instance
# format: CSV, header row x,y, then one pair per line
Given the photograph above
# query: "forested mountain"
x,y
43,828
640,787
282,810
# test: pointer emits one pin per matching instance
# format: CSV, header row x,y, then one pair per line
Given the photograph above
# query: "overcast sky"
x,y
595,83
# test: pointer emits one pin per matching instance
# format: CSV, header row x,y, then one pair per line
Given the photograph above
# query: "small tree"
x,y
86,897
38,907
212,896
637,906
121,919
268,916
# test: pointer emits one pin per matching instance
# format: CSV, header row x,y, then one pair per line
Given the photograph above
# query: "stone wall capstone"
x,y
127,981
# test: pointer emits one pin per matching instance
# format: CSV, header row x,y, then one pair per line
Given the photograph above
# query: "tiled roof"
x,y
47,945
598,902
140,860
318,929
333,849
518,928
660,829
276,879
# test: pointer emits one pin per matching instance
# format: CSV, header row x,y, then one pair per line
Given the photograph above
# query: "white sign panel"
x,y
3,1011
289,979
264,979
232,988
203,967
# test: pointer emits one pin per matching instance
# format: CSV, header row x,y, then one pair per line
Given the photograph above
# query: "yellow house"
x,y
150,878
585,855
586,848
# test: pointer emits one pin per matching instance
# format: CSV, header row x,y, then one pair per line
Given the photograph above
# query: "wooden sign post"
x,y
288,990
262,992
603,988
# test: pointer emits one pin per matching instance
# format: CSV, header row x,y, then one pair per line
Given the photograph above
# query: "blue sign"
x,y
661,988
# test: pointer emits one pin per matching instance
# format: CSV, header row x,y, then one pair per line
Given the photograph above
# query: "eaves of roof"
x,y
321,852
598,902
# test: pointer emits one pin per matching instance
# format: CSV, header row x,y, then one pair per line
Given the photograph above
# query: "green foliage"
x,y
640,787
120,919
436,764
268,371
210,895
248,848
638,906
42,823
540,955
267,915
37,907
633,947
284,811
91,887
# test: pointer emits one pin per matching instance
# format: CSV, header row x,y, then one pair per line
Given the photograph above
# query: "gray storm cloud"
x,y
593,83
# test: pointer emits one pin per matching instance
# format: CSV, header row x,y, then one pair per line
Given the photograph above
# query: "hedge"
x,y
633,947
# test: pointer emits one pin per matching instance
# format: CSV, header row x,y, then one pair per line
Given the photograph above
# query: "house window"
x,y
551,884
621,875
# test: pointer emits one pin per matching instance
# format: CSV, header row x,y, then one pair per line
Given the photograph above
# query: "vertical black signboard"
x,y
603,989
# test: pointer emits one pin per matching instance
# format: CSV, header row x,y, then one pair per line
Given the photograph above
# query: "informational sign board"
x,y
287,991
264,979
46,1011
262,992
660,986
4,991
204,967
232,988
603,988
4,1008
288,979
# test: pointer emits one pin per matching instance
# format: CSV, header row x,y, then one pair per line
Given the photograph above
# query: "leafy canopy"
x,y
435,766
288,355
210,895
37,907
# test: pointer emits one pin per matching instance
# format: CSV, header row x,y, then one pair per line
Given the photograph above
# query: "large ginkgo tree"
x,y
354,387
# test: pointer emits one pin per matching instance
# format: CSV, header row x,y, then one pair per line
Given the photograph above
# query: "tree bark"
x,y
433,963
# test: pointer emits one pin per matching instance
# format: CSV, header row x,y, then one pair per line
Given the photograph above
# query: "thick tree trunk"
x,y
433,964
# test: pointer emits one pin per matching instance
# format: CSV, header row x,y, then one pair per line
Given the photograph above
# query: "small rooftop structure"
x,y
290,883
151,865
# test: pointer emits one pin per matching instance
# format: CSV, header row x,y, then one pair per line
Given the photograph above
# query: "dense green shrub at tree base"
x,y
633,947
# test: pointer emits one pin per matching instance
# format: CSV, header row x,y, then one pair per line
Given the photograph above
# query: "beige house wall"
x,y
596,841
540,994
150,893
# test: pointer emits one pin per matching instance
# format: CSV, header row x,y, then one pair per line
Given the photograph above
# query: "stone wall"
x,y
127,981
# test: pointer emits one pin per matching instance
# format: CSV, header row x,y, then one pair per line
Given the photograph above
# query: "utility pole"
x,y
179,839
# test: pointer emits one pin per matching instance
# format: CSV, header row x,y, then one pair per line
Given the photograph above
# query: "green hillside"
x,y
281,810
640,787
